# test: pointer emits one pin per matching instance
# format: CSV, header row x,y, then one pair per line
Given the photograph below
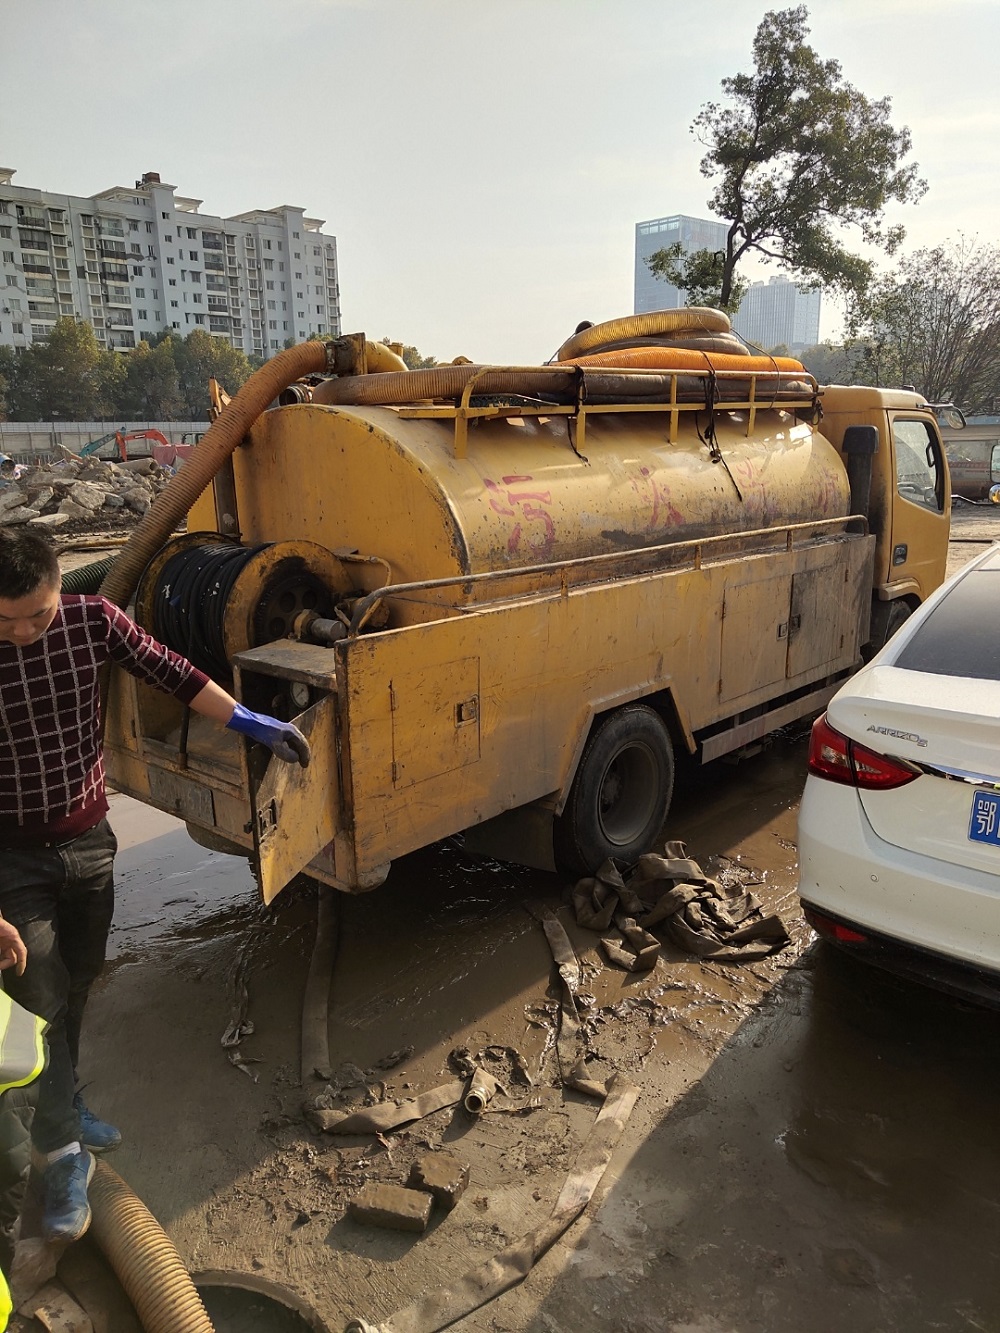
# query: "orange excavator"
x,y
162,450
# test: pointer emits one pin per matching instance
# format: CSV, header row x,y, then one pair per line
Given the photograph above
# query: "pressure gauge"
x,y
300,694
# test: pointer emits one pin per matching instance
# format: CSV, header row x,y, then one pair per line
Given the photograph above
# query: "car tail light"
x,y
838,759
833,930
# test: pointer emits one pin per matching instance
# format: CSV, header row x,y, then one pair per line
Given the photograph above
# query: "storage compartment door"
x,y
435,720
754,635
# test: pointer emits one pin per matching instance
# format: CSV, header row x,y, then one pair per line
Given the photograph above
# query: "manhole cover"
x,y
238,1304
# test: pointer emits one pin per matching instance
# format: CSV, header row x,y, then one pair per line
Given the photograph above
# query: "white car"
x,y
899,827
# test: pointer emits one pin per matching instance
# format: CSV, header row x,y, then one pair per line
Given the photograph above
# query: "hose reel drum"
x,y
209,597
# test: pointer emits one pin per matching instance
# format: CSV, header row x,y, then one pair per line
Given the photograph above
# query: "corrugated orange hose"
x,y
208,456
695,318
144,1258
685,358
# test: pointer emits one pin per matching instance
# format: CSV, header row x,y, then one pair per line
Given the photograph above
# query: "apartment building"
x,y
132,261
774,313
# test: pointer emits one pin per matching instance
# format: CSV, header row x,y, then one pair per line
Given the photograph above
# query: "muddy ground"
x,y
814,1146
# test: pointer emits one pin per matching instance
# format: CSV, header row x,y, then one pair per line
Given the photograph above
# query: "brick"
x,y
442,1176
392,1206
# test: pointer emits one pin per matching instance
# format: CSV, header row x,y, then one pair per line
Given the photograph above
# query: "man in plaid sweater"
x,y
57,849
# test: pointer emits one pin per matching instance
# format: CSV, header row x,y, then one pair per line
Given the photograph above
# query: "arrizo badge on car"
x,y
899,735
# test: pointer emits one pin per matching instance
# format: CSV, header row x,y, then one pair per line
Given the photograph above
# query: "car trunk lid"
x,y
949,728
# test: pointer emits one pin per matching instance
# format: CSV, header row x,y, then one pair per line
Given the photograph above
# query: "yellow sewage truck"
x,y
499,600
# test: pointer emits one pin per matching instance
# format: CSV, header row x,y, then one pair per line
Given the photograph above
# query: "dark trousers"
x,y
61,899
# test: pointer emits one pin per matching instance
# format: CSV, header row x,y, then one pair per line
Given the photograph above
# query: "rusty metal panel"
x,y
294,809
182,797
755,625
828,599
435,720
545,666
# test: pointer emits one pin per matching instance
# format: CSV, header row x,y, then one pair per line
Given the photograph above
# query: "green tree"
x,y
934,322
151,390
199,358
8,377
833,363
797,154
700,275
67,376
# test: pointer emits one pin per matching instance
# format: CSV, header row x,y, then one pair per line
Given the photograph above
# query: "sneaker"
x,y
95,1134
66,1211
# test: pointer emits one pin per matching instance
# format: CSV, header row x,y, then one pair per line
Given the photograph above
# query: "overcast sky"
x,y
482,162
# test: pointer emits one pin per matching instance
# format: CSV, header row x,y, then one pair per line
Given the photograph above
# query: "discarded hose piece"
x,y
482,1089
87,579
144,1258
315,1048
221,439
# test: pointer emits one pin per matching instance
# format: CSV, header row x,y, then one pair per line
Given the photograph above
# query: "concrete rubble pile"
x,y
87,494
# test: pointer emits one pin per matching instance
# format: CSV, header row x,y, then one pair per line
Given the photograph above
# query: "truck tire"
x,y
887,617
620,794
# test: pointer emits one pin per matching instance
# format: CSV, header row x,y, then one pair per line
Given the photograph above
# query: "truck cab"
x,y
910,506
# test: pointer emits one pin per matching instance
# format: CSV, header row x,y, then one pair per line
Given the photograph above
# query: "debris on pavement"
x,y
508,1268
386,1115
703,916
392,1206
482,1089
570,1041
440,1175
76,494
54,1309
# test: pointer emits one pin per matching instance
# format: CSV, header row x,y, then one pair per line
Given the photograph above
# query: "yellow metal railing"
x,y
760,397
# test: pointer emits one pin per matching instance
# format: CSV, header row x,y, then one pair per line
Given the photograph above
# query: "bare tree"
x,y
934,322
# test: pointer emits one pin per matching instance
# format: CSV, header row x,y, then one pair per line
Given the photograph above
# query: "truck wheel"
x,y
887,617
620,794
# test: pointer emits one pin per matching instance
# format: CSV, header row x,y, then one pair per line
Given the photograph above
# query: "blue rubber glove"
x,y
281,738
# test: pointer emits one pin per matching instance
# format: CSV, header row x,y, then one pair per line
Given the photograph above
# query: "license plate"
x,y
984,826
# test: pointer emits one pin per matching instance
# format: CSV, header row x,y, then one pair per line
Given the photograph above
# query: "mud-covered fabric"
x,y
672,894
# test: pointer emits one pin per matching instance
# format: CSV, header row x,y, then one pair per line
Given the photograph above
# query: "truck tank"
x,y
375,480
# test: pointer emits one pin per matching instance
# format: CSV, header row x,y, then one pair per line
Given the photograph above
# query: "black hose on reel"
x,y
189,606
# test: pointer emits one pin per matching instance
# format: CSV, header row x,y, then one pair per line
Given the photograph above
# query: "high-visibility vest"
x,y
22,1044
22,1059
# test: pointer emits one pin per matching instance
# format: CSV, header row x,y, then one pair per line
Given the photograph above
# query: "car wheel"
x,y
620,794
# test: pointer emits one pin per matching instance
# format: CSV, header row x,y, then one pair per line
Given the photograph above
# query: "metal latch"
x,y
791,626
267,818
467,711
